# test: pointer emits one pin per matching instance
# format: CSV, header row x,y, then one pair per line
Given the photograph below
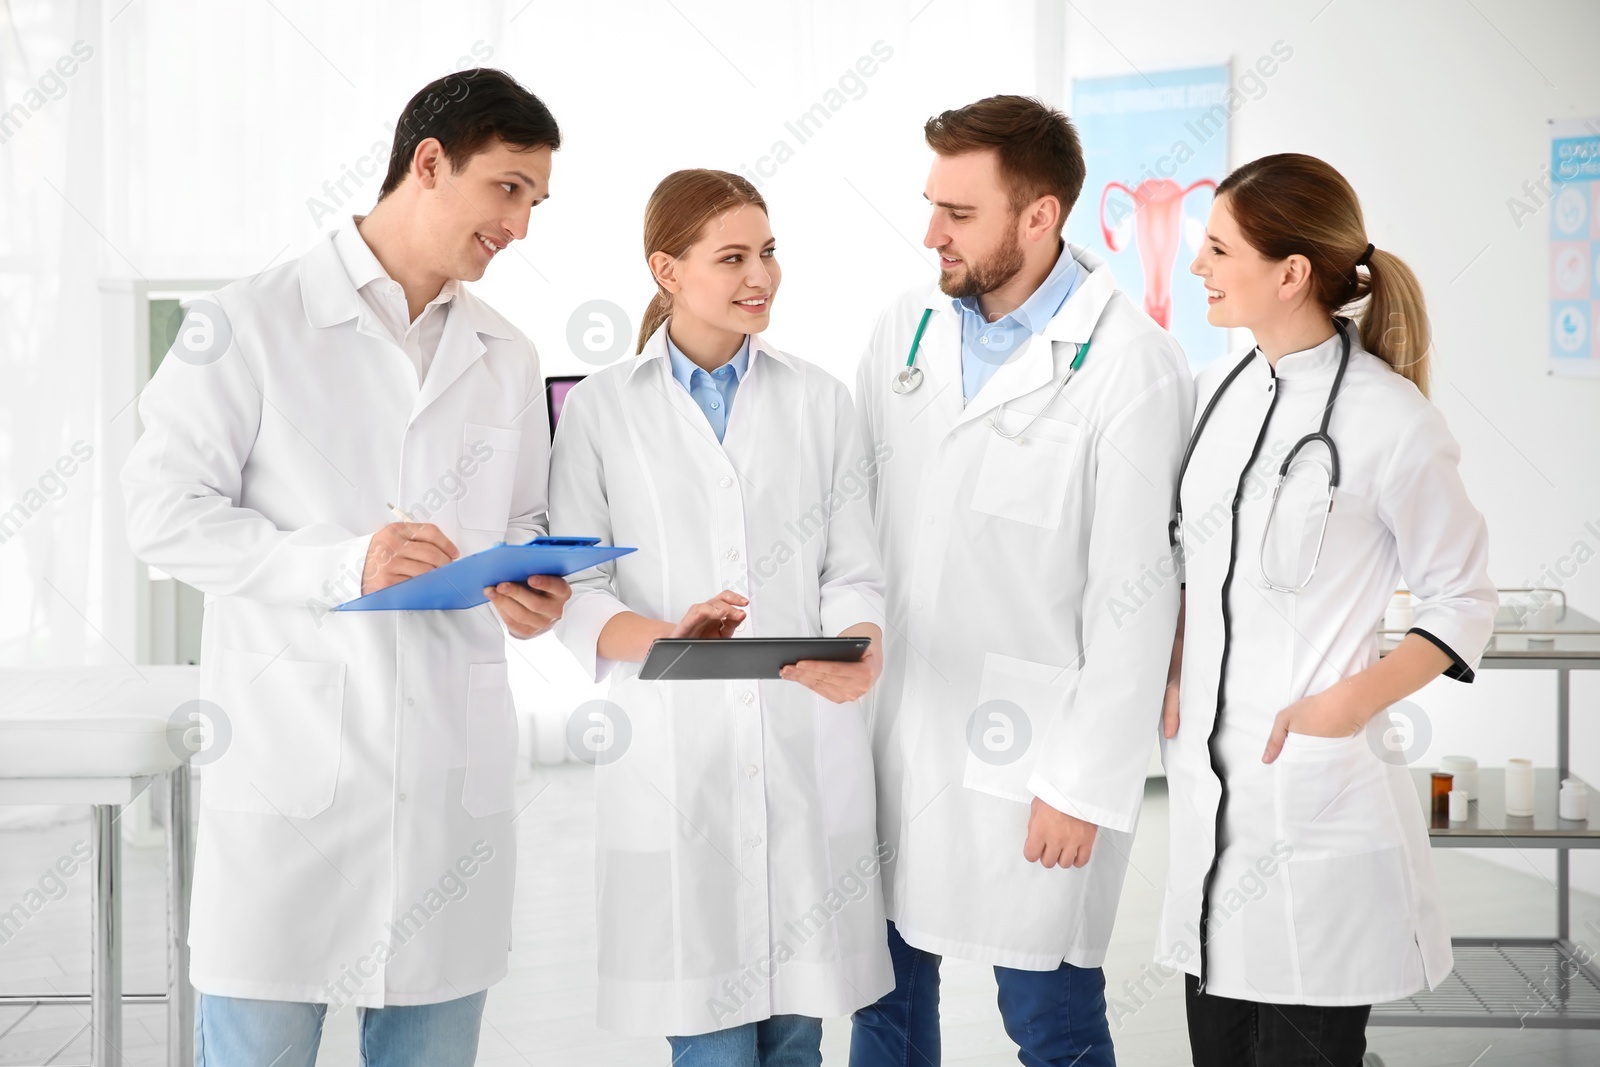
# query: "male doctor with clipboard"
x,y
1035,419
366,791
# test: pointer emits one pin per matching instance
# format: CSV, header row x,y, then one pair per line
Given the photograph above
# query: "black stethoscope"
x,y
1175,527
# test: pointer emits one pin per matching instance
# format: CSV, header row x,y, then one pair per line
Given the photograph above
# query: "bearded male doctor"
x,y
355,843
1034,420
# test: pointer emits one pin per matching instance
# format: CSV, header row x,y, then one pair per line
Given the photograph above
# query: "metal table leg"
x,y
105,1006
180,869
1563,743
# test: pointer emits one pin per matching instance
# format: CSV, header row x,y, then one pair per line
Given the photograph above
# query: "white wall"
x,y
1436,112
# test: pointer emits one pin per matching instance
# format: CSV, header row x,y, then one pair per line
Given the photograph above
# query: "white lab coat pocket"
x,y
485,502
1018,699
1349,891
1026,479
489,786
283,719
1332,797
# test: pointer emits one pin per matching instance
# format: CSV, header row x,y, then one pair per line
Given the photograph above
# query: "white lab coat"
x,y
1324,893
735,853
363,798
1024,572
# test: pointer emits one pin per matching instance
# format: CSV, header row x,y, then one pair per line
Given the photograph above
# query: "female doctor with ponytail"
x,y
1318,478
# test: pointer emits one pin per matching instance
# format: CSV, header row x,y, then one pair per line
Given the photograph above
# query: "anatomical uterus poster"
x,y
1155,145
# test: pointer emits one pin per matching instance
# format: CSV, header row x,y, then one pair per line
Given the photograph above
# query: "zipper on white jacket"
x,y
1222,684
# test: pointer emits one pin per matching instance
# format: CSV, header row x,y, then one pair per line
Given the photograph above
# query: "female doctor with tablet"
x,y
736,847
1318,477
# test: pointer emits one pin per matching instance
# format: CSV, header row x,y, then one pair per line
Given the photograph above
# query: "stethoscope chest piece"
x,y
907,380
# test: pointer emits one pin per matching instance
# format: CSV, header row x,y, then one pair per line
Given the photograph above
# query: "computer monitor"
x,y
556,389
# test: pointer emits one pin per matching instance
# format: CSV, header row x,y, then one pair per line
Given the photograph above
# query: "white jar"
x,y
1519,787
1401,612
1574,802
1464,769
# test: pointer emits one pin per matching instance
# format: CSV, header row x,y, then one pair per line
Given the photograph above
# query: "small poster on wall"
x,y
1155,146
1575,247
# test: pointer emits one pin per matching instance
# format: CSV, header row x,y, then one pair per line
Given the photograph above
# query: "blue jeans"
x,y
781,1041
235,1032
1057,1018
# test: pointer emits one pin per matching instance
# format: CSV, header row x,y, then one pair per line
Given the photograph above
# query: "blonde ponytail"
x,y
1394,324
655,313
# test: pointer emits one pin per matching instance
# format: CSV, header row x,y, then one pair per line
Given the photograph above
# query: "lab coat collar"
x,y
460,346
326,291
655,352
1036,366
330,297
655,348
1075,322
357,257
1313,362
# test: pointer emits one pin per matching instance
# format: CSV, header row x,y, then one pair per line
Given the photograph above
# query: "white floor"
x,y
543,1012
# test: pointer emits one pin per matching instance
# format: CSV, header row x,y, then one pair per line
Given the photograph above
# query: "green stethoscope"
x,y
910,376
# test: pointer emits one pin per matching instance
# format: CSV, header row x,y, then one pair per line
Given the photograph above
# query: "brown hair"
x,y
1037,146
1293,204
678,210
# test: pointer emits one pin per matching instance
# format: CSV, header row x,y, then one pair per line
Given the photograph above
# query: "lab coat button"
x,y
751,771
733,555
747,696
726,482
411,702
402,797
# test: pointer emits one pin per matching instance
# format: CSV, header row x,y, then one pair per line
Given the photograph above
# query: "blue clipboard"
x,y
460,584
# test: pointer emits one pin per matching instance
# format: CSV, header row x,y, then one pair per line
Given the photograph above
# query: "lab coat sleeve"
x,y
851,579
1095,753
1442,541
182,482
529,516
866,401
579,508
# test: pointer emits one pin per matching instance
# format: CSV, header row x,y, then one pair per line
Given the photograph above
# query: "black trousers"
x,y
1242,1033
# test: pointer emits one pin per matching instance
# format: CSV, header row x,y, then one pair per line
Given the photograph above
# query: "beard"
x,y
986,275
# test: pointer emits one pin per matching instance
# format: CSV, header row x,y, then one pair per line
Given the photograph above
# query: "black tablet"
x,y
697,659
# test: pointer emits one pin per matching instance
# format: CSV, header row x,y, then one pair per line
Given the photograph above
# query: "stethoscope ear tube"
x,y
910,376
1175,527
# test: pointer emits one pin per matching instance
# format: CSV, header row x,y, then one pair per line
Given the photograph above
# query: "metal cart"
x,y
1544,982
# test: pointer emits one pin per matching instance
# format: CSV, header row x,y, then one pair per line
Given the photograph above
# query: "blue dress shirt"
x,y
985,346
713,391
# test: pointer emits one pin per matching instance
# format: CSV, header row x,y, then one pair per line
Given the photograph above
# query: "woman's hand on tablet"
x,y
842,682
717,617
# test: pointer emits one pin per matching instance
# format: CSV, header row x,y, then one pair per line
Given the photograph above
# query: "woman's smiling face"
x,y
728,278
1242,285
